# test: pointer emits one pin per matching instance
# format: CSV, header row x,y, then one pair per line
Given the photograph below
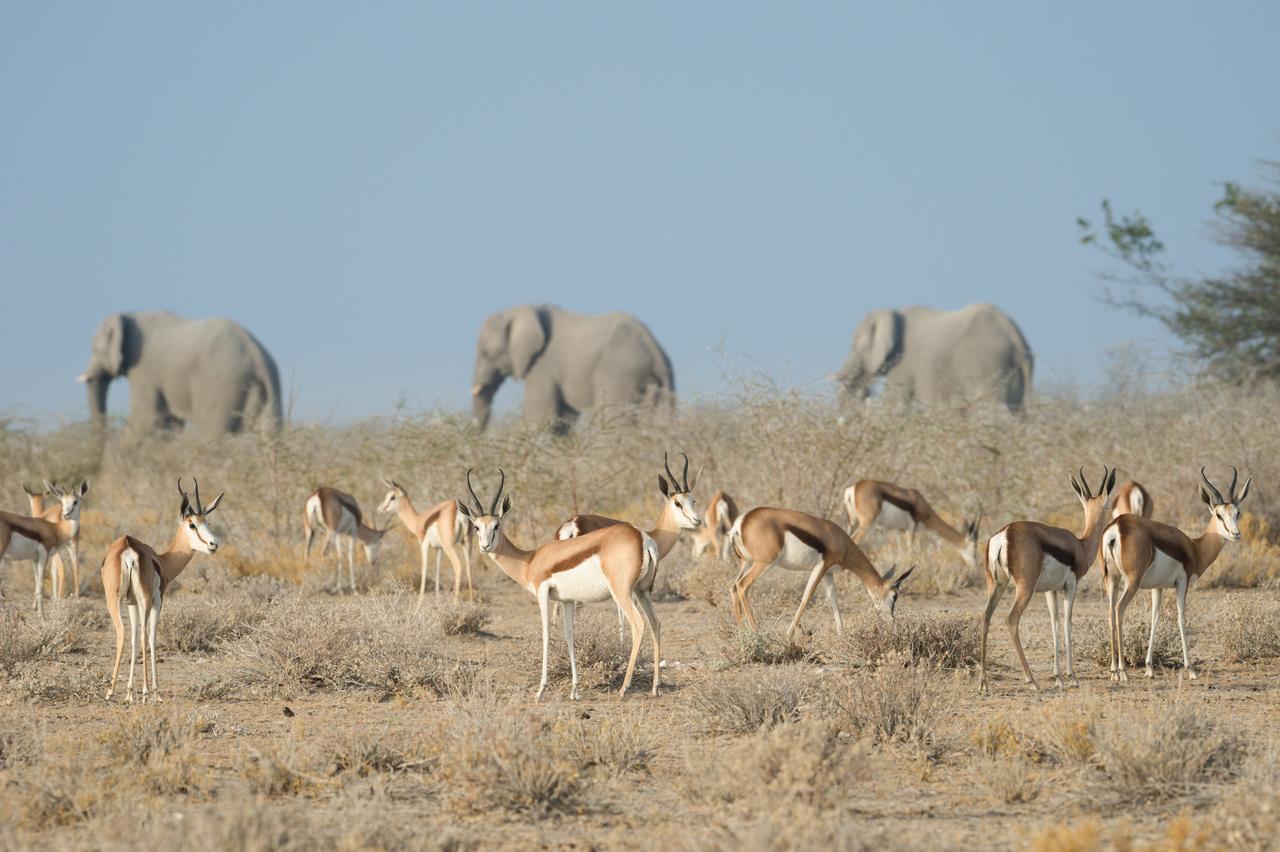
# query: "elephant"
x,y
210,375
570,363
928,355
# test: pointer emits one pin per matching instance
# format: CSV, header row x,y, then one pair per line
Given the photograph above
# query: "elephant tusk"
x,y
476,389
82,379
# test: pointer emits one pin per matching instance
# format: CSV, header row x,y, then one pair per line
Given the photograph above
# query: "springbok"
x,y
25,538
25,550
133,573
1133,499
1036,557
679,512
721,512
439,528
765,537
339,515
870,503
611,562
1147,554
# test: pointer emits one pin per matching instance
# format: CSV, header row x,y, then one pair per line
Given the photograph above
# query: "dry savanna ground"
x,y
299,718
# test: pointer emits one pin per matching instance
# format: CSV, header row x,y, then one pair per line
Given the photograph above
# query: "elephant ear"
x,y
526,339
112,332
886,340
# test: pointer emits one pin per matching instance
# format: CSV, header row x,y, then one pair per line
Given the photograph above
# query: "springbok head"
x,y
887,601
194,519
969,550
1226,513
486,523
1090,501
679,493
395,494
70,500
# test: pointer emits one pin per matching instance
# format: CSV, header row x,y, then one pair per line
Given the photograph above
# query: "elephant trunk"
x,y
97,391
853,385
482,402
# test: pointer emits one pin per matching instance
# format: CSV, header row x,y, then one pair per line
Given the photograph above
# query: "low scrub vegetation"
x,y
945,641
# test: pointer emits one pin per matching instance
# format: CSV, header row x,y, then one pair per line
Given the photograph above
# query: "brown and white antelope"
x,y
612,562
1146,554
339,515
26,538
679,512
765,537
133,573
439,528
870,503
1133,499
1036,557
25,549
718,519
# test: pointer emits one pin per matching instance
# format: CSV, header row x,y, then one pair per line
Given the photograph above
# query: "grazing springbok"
x,y
1036,557
679,512
721,512
26,538
134,574
1133,499
870,503
439,528
765,537
612,562
1146,554
339,515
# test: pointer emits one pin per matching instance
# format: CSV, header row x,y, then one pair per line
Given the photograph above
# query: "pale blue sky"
x,y
360,184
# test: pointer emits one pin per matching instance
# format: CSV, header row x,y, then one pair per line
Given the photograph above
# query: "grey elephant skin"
x,y
211,376
570,363
925,355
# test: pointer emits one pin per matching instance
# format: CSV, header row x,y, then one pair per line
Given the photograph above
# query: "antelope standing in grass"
x,y
870,503
133,573
25,550
612,562
1133,499
721,512
339,515
25,538
1146,554
439,528
679,512
1036,557
765,537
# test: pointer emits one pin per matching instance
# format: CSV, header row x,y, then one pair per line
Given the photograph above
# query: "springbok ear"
x,y
209,511
185,509
893,569
905,574
463,508
505,507
696,477
662,486
1111,483
387,482
84,487
1205,495
1075,486
1244,492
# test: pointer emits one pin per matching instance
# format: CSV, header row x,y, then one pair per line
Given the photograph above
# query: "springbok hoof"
x,y
1074,682
128,698
1057,682
1192,675
110,692
1151,672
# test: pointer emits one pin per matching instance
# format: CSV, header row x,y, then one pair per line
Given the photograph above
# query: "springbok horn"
x,y
1084,483
1235,475
684,475
474,498
667,464
199,505
1216,493
496,497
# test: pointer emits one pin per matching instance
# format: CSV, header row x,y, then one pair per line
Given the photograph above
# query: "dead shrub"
x,y
705,579
59,683
157,747
1248,629
364,753
1092,638
946,641
897,702
65,629
1164,754
199,624
1006,780
615,746
461,618
18,747
743,645
741,705
285,767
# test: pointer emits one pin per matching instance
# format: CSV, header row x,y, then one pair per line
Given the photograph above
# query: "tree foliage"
x,y
1230,322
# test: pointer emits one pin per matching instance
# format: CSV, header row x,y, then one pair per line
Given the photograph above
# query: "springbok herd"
x,y
594,558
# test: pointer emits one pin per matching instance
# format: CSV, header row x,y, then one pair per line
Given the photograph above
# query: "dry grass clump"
x,y
461,618
157,747
18,747
380,645
291,766
65,629
1164,754
704,579
1248,629
1005,780
203,624
501,757
363,753
742,645
897,702
1093,639
946,640
614,746
742,704
62,682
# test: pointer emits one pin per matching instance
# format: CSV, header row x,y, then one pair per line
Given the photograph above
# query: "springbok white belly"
x,y
893,518
584,583
433,537
1053,575
1163,573
795,555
